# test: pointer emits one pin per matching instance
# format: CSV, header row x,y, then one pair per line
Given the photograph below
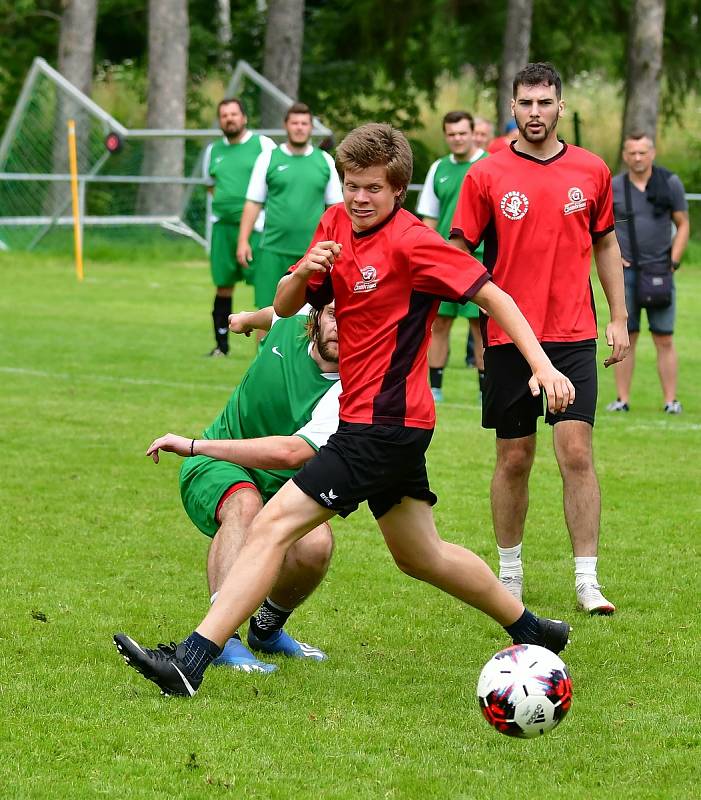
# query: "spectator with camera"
x,y
647,200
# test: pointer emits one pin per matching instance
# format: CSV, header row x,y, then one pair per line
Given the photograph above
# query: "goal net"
x,y
129,180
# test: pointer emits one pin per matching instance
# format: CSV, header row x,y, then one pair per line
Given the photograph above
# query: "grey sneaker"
x,y
675,407
618,405
513,584
590,599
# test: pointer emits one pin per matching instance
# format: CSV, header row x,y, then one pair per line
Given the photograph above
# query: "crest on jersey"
x,y
578,202
369,281
514,205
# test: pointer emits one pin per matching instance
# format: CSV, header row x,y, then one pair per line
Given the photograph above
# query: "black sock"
x,y
436,377
199,654
220,318
480,378
269,619
525,630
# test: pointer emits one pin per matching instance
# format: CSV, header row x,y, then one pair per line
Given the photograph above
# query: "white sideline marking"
x,y
66,376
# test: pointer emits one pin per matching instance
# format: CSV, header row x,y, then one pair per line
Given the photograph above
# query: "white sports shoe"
x,y
513,584
590,599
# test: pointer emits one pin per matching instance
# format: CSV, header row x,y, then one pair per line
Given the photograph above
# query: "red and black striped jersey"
x,y
387,284
538,220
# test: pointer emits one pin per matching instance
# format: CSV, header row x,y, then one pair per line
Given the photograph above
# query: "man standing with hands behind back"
x,y
229,162
541,206
656,201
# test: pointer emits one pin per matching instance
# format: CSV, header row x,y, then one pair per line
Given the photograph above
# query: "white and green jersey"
x,y
231,165
295,190
283,393
439,196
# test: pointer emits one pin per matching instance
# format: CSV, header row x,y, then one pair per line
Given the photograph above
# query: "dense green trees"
x,y
364,59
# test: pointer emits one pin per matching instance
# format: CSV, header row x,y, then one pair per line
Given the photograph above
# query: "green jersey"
x,y
295,190
439,196
231,165
283,393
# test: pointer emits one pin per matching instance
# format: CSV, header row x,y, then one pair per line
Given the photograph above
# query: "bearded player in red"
x,y
541,206
388,273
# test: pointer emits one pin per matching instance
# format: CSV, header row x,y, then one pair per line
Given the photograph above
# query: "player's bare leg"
x,y
582,504
236,514
667,365
438,351
288,516
411,536
509,497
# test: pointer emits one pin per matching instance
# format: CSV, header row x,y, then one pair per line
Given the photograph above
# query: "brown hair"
x,y
377,145
297,108
635,136
458,116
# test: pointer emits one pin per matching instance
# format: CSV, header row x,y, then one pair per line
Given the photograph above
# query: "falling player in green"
x,y
281,413
295,182
436,206
229,162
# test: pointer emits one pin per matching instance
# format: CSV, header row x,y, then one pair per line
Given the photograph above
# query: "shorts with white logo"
x,y
377,463
507,402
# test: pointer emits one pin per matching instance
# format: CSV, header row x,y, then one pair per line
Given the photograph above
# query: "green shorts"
x,y
204,481
226,270
269,269
467,311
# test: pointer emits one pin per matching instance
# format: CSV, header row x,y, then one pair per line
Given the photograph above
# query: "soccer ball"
x,y
524,691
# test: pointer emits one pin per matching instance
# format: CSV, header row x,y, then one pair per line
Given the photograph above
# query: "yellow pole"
x,y
73,161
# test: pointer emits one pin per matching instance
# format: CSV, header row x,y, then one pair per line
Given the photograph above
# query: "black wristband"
x,y
675,265
192,448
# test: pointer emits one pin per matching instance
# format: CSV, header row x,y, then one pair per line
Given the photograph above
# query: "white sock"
x,y
510,561
585,569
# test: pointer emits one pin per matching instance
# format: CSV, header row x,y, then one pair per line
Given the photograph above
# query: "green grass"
x,y
95,541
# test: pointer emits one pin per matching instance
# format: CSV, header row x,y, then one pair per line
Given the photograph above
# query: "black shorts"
x,y
377,463
508,404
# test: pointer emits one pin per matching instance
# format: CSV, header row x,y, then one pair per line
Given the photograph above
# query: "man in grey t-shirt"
x,y
657,200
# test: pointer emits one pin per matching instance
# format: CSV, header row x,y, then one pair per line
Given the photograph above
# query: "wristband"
x,y
192,448
675,265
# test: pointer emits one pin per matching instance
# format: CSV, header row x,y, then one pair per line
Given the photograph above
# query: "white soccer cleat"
x,y
590,599
513,584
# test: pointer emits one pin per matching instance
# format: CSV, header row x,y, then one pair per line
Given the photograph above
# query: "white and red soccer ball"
x,y
524,691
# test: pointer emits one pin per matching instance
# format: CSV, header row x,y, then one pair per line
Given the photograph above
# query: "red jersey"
x,y
538,220
388,283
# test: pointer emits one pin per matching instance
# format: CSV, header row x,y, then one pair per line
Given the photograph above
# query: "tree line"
x,y
355,60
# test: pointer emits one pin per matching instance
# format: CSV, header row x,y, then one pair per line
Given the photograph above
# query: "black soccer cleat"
x,y
164,665
552,634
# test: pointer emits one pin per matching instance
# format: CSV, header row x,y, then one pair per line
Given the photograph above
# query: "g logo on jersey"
x,y
578,202
514,205
369,281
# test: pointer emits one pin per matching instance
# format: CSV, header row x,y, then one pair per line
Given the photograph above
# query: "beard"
x,y
326,351
232,130
540,137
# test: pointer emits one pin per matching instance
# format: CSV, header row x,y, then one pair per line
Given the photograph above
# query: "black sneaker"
x,y
553,634
217,352
163,666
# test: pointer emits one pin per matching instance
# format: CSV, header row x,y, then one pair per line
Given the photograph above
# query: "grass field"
x,y
96,542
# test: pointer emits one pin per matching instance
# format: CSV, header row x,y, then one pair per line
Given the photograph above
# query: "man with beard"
x,y
282,412
228,162
295,182
541,206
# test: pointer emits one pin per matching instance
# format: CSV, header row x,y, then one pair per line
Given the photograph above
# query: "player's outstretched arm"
x,y
246,321
291,292
609,266
501,307
268,452
249,215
